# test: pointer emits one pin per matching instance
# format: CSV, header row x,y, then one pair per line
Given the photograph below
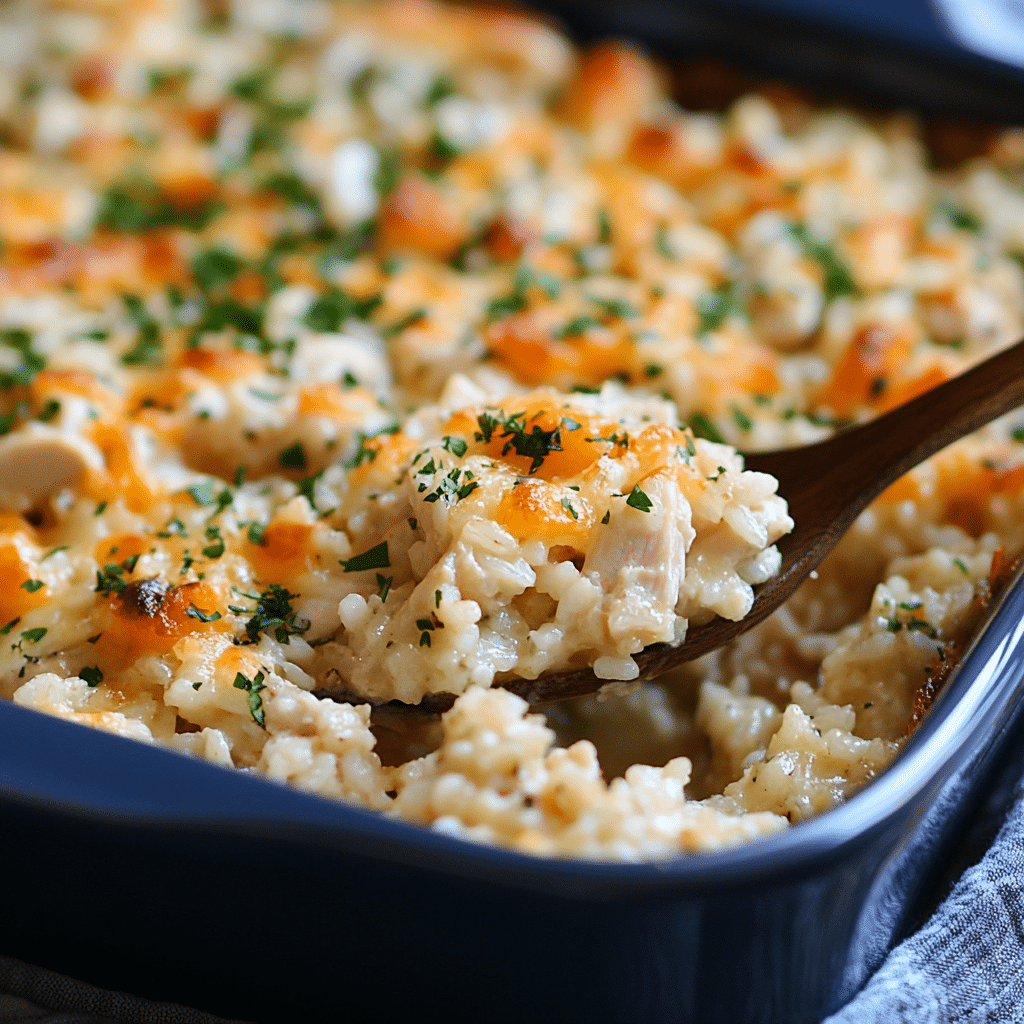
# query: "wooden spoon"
x,y
827,485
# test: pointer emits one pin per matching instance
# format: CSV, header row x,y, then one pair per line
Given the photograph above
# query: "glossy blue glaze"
x,y
152,871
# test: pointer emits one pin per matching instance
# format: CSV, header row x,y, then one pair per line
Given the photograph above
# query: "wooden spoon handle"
x,y
829,484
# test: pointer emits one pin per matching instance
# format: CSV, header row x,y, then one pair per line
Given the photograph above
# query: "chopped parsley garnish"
x,y
389,170
550,285
30,364
255,532
50,411
662,244
307,490
375,558
441,88
960,218
428,626
741,419
450,486
110,579
714,308
216,548
293,457
443,150
407,321
535,445
329,311
702,426
193,612
252,687
202,494
133,206
616,307
838,279
606,518
10,625
54,551
290,187
962,566
638,499
363,452
91,676
455,445
224,313
567,505
33,636
576,326
32,585
384,586
274,614
216,268
506,305
147,350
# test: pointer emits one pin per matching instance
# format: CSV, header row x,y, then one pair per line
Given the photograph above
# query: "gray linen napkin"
x,y
965,965
31,995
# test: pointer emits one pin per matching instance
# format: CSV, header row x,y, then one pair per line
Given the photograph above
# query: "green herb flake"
x,y
576,326
293,457
638,499
838,278
196,613
618,308
10,625
32,585
33,636
406,322
505,305
216,268
53,551
455,445
375,558
384,586
662,244
702,426
960,218
252,687
91,676
741,419
714,308
202,494
274,614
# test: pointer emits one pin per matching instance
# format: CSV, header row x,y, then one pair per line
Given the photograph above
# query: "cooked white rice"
x,y
402,348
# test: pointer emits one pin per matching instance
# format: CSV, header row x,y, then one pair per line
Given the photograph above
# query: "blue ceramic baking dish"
x,y
145,870
139,869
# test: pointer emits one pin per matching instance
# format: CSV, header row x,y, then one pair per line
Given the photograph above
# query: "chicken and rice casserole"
x,y
403,348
